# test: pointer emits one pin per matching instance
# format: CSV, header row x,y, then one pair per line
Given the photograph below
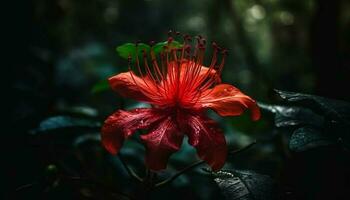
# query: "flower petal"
x,y
227,100
122,124
132,86
163,140
208,139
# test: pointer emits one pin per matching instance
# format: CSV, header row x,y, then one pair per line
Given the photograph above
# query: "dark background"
x,y
59,49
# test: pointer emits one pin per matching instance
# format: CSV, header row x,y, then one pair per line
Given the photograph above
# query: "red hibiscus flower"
x,y
180,90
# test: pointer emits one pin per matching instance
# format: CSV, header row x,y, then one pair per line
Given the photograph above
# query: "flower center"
x,y
176,76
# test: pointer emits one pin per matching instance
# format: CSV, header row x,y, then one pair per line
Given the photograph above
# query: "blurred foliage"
x,y
66,50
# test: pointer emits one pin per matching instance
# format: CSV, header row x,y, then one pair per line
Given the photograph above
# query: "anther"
x,y
224,52
187,38
201,46
170,39
187,48
144,53
198,38
215,46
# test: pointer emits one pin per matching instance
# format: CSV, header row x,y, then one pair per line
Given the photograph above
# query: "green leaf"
x,y
100,86
77,111
130,49
65,122
87,138
245,185
293,116
159,47
307,138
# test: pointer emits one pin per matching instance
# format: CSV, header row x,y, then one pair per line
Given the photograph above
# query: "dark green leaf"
x,y
245,185
330,108
100,86
130,49
77,111
160,46
307,138
293,116
314,130
65,122
87,138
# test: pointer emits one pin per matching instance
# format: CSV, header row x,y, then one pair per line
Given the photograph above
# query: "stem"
x,y
147,185
131,172
169,180
148,180
195,164
231,153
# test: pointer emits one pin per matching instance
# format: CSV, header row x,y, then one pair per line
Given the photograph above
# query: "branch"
x,y
231,153
131,172
186,169
169,180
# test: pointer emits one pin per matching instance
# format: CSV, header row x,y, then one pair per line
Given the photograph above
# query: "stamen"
x,y
137,58
170,40
178,74
187,38
170,33
148,70
155,66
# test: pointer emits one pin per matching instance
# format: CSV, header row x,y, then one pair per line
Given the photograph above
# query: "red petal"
x,y
122,124
163,140
208,139
227,100
130,85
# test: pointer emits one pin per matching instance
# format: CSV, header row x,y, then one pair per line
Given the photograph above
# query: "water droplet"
x,y
228,89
